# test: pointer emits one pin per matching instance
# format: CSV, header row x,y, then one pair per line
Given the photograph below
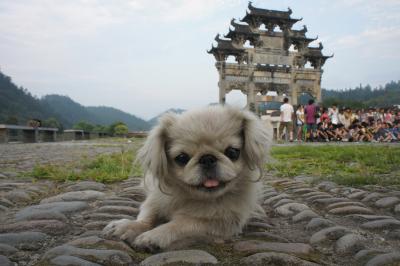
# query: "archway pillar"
x,y
222,91
251,97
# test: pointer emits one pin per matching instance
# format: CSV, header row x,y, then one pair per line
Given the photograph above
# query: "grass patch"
x,y
104,168
346,165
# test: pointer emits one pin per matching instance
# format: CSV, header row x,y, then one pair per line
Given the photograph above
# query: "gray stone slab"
x,y
381,224
305,215
85,195
65,260
18,196
128,203
344,204
274,199
290,209
302,191
86,185
350,210
387,202
3,208
275,258
397,209
6,203
328,201
7,250
4,261
118,210
372,197
385,259
266,236
58,207
42,215
349,244
24,240
318,223
196,257
51,227
255,246
366,217
357,195
258,225
326,185
99,243
282,202
327,234
109,257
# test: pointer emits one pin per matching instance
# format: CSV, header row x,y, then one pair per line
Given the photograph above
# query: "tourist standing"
x,y
286,119
300,122
310,112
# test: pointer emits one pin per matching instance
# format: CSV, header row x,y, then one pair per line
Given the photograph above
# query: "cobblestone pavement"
x,y
48,223
16,158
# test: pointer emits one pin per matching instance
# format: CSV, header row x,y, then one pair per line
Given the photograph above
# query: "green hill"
x,y
73,112
108,115
17,106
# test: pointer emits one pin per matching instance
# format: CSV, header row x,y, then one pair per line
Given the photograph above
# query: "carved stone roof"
x,y
225,45
241,30
225,48
269,13
316,52
269,16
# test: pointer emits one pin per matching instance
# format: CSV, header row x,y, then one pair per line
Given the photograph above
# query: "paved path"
x,y
48,223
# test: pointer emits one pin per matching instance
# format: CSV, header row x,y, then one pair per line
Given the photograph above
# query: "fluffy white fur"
x,y
176,193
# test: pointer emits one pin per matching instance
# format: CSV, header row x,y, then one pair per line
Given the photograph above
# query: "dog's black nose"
x,y
208,160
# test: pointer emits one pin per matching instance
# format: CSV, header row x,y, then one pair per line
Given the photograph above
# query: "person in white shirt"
x,y
300,122
286,119
334,115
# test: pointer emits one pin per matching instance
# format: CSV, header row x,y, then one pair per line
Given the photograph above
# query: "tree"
x,y
52,122
121,130
12,120
114,125
83,125
101,128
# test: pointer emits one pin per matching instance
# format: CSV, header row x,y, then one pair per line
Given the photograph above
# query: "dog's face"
x,y
205,152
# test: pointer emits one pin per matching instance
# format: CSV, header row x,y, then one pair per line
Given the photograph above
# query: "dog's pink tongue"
x,y
211,183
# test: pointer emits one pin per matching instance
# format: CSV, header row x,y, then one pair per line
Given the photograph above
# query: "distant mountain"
x,y
108,115
17,106
73,112
153,121
68,110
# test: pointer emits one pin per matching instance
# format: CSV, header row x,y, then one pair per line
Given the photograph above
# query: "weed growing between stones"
x,y
351,165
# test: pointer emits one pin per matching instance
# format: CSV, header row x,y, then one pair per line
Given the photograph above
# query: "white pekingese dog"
x,y
202,177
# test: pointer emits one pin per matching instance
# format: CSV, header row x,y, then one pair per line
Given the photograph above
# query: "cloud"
x,y
47,19
379,43
379,13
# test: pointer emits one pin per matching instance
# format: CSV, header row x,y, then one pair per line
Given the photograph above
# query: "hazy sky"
x,y
145,56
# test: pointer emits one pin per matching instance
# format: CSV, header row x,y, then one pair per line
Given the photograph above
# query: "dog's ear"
x,y
152,155
257,139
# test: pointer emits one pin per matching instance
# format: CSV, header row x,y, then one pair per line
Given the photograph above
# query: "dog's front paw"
x,y
124,229
152,241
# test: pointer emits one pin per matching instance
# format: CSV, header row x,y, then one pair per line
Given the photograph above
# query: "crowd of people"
x,y
317,123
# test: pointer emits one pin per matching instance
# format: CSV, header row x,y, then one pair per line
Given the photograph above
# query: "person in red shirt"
x,y
310,112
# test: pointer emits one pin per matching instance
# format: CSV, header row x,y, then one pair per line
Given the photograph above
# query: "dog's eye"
x,y
232,153
182,159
